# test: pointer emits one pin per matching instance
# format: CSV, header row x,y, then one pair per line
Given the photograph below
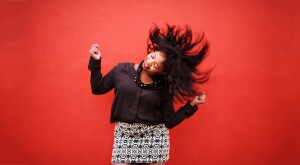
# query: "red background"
x,y
49,115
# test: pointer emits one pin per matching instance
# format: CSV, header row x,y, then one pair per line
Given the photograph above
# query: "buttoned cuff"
x,y
94,63
189,109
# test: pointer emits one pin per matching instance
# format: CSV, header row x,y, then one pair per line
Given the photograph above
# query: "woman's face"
x,y
153,63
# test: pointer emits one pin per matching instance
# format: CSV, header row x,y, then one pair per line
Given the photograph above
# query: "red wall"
x,y
49,115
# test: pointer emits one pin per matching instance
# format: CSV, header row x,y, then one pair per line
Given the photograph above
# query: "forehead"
x,y
160,57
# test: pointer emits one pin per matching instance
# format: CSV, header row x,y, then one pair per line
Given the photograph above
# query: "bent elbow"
x,y
169,125
96,92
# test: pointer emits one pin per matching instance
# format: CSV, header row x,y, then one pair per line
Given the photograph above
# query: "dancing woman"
x,y
144,93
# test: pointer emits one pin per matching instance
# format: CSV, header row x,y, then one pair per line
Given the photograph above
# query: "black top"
x,y
133,104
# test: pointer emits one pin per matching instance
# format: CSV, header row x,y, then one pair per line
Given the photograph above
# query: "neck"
x,y
147,81
145,77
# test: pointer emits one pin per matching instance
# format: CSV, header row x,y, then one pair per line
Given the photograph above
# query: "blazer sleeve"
x,y
100,84
172,118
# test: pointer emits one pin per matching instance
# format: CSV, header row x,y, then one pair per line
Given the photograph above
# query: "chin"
x,y
148,73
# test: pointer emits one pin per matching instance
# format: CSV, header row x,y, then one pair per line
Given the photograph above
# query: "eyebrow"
x,y
156,62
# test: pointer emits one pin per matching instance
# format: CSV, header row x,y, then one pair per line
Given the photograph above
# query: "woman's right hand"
x,y
94,51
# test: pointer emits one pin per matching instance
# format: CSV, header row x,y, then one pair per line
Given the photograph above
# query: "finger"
x,y
95,49
91,51
203,95
202,101
94,46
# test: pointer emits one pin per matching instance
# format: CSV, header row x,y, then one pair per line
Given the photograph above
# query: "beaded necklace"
x,y
157,79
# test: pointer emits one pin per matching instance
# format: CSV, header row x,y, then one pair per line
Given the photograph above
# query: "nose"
x,y
150,61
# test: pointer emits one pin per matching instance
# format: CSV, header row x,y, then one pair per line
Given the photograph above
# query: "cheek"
x,y
153,70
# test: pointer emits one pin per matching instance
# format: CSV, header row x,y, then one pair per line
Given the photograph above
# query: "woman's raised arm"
x,y
99,84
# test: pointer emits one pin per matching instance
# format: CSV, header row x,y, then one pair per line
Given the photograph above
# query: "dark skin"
x,y
152,65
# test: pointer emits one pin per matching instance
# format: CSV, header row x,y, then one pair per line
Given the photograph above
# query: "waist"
x,y
134,129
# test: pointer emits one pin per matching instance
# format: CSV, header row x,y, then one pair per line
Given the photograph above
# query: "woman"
x,y
144,93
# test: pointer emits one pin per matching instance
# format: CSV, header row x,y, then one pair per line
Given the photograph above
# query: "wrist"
x,y
191,103
95,58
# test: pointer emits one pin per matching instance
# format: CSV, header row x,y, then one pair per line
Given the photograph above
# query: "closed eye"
x,y
152,56
155,65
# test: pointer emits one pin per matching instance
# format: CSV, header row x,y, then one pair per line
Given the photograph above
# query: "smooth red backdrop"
x,y
49,116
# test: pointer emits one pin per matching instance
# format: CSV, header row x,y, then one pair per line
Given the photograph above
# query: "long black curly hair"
x,y
180,65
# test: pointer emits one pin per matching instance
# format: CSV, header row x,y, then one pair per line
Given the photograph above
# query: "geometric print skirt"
x,y
140,143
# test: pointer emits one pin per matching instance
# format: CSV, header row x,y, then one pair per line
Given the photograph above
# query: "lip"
x,y
145,64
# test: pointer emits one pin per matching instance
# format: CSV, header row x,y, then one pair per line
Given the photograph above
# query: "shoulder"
x,y
123,65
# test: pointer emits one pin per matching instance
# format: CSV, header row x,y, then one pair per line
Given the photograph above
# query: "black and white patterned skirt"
x,y
140,143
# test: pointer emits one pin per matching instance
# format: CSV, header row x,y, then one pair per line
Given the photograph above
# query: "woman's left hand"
x,y
198,99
